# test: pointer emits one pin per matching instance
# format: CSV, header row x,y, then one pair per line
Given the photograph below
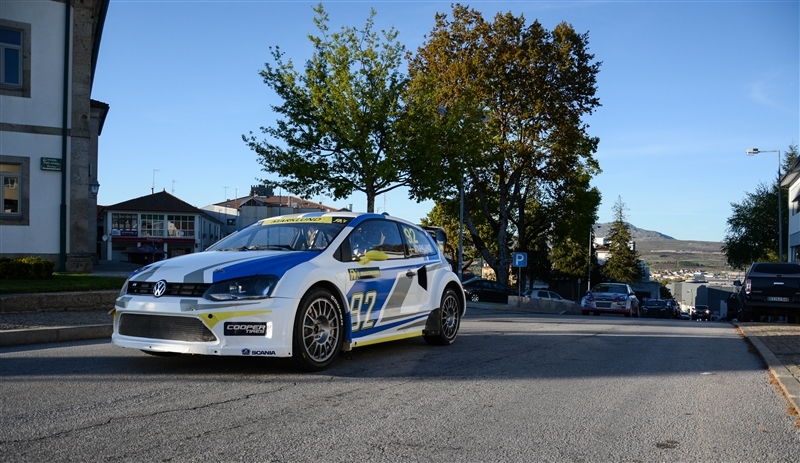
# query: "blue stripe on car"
x,y
277,265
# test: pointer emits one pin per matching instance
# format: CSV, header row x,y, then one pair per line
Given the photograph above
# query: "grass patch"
x,y
62,282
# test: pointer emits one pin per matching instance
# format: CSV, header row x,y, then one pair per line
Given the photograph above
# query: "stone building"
x,y
49,129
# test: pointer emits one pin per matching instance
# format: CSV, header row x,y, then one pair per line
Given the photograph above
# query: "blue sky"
x,y
686,88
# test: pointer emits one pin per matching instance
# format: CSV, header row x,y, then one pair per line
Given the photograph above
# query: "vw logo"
x,y
160,288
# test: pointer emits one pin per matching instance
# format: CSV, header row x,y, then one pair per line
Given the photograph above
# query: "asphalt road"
x,y
514,387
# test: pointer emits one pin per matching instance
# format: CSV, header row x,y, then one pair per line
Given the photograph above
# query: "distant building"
x,y
49,129
260,204
158,224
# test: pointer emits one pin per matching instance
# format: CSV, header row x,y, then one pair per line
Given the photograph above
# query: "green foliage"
x,y
26,268
341,115
512,98
664,292
623,263
752,233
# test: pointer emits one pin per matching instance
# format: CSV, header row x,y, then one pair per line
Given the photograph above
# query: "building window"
x,y
180,225
9,173
152,225
14,196
10,57
125,224
15,58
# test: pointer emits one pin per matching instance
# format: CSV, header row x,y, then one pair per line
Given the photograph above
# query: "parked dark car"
x,y
771,289
674,308
487,291
701,312
655,308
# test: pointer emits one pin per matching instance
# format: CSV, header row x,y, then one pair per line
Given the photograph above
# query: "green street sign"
x,y
51,164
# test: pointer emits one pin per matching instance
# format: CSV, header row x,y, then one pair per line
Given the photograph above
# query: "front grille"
x,y
173,289
603,304
164,327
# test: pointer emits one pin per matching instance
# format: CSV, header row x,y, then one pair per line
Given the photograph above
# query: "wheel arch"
x,y
337,293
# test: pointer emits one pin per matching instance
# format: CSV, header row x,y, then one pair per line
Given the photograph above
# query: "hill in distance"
x,y
664,253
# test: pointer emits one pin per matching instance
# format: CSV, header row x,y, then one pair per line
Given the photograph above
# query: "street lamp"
x,y
94,187
753,152
589,265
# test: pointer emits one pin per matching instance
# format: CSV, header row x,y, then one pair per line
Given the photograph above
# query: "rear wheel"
x,y
317,331
448,320
474,297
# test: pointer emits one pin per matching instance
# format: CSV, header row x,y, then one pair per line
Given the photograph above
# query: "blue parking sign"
x,y
520,259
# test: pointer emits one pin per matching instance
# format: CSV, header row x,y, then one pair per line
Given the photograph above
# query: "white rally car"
x,y
304,286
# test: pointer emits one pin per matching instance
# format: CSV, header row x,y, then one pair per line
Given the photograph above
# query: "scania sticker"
x,y
258,352
245,329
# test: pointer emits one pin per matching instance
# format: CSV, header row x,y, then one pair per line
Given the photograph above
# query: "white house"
x,y
49,128
791,180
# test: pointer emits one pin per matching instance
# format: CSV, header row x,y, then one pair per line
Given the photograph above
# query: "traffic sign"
x,y
520,259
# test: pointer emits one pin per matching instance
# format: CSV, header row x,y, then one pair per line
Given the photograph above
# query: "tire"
x,y
447,320
156,353
318,331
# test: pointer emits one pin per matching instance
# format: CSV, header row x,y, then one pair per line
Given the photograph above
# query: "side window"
x,y
14,196
377,235
544,295
418,243
15,58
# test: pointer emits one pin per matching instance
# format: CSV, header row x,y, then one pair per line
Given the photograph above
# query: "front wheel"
x,y
447,320
317,331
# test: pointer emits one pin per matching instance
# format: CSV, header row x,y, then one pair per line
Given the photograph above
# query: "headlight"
x,y
124,289
256,287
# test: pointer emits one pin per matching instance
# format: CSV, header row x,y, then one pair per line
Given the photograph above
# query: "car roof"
x,y
355,218
772,268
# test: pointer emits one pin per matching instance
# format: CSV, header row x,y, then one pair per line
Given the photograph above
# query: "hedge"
x,y
26,268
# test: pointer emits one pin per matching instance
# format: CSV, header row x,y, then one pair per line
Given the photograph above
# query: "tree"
x,y
752,231
623,263
512,133
570,253
340,115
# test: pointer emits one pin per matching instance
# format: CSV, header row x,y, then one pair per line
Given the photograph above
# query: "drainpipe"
x,y
62,267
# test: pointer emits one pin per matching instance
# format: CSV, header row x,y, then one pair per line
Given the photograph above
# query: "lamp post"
x,y
589,265
753,152
443,111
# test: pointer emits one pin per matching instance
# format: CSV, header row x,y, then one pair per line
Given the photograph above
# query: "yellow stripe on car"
x,y
211,319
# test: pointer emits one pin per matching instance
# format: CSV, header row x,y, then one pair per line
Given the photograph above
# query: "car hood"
x,y
605,296
214,266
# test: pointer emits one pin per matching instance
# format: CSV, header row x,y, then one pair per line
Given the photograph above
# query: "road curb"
x,y
788,383
56,334
63,301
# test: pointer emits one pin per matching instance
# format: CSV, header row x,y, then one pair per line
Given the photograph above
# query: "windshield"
x,y
610,289
284,233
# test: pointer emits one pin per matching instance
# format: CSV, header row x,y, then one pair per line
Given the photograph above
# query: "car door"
x,y
382,289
